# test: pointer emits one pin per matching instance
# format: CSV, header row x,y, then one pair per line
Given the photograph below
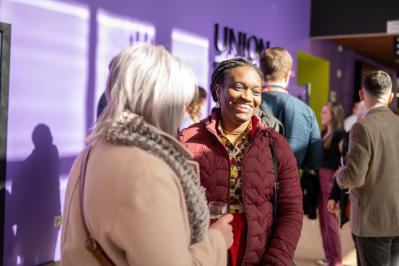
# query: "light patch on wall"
x,y
77,10
115,33
48,74
339,73
193,50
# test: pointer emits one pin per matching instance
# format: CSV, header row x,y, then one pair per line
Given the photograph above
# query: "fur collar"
x,y
132,130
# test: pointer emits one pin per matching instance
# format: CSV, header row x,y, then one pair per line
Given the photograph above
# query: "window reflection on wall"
x,y
115,33
194,51
48,73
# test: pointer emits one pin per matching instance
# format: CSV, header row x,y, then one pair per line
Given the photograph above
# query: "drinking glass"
x,y
217,210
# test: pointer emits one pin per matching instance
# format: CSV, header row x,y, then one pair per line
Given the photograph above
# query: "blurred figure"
x,y
333,134
358,111
300,125
371,172
234,150
134,192
338,201
193,112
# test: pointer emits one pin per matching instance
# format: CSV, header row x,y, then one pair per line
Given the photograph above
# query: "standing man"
x,y
372,173
301,129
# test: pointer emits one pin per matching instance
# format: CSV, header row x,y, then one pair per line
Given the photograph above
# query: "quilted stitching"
x,y
258,181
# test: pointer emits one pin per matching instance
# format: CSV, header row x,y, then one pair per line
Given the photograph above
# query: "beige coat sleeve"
x,y
151,223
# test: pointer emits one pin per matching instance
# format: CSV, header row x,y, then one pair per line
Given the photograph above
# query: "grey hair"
x,y
147,80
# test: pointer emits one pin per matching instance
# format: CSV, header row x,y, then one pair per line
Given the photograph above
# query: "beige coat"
x,y
136,210
372,171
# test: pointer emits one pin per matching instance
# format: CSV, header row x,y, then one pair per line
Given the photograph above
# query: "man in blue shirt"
x,y
300,125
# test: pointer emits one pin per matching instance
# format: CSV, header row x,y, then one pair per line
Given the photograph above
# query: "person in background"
x,y
143,203
371,172
339,198
233,150
193,112
300,125
358,111
333,133
338,201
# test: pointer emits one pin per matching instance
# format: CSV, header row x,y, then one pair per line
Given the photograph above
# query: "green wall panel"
x,y
316,71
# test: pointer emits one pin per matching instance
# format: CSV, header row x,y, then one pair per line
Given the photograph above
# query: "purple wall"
x,y
59,56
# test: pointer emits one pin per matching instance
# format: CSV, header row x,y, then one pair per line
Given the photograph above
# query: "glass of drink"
x,y
217,210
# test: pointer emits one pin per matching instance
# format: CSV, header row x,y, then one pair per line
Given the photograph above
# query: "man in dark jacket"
x,y
300,125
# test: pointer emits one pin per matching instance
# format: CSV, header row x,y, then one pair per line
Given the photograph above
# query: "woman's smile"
x,y
244,108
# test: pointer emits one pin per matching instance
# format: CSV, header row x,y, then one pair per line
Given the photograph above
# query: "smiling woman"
x,y
233,149
238,97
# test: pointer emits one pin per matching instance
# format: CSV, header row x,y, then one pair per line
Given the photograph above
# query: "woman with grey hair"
x,y
133,196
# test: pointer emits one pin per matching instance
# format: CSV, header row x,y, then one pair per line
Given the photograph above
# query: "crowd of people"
x,y
138,193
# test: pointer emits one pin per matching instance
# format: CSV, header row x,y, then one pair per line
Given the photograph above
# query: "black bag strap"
x,y
276,187
91,243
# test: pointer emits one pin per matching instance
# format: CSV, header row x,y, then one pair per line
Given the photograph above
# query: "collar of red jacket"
x,y
213,119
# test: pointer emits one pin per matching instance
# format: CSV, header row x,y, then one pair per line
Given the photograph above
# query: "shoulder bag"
x,y
91,243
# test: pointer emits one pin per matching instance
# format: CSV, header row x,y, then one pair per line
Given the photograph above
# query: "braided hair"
x,y
224,68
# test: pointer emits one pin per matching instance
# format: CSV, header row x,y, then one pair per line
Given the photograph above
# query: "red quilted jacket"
x,y
257,188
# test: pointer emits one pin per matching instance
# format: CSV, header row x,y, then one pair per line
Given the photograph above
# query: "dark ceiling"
x,y
359,25
378,48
